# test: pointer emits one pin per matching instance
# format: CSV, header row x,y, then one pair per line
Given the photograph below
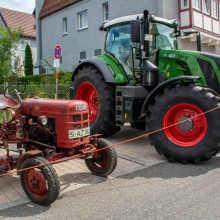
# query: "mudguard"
x,y
26,155
100,65
161,87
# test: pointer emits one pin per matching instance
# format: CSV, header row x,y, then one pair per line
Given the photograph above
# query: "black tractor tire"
x,y
104,161
194,140
41,184
138,125
87,82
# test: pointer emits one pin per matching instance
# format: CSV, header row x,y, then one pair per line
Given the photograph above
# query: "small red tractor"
x,y
44,131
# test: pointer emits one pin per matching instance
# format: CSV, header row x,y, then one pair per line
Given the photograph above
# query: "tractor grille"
x,y
209,74
80,121
214,57
76,118
85,117
85,125
77,126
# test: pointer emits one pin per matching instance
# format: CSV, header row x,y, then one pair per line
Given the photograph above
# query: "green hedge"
x,y
42,79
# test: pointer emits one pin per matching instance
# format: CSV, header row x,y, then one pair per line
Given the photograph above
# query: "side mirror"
x,y
135,32
199,41
198,38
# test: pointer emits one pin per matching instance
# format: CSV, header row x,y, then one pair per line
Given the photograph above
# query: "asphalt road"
x,y
161,191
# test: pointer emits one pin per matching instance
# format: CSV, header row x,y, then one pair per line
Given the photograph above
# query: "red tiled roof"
x,y
51,6
15,19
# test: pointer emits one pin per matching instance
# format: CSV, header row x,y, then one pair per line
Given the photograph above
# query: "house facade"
x,y
74,24
14,19
203,16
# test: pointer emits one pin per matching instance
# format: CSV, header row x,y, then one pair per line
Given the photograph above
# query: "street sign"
x,y
56,63
57,51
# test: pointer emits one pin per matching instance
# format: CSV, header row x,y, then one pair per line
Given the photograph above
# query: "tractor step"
x,y
129,100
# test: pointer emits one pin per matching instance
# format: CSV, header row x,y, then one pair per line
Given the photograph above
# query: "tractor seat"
x,y
7,103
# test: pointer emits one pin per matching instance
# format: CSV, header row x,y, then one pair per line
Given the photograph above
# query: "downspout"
x,y
39,5
39,44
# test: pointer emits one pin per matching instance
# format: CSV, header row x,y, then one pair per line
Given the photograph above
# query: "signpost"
x,y
57,52
57,55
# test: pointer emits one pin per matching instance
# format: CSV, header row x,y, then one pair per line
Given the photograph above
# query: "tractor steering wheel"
x,y
14,89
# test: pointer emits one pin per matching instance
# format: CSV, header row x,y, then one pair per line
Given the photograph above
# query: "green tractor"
x,y
143,79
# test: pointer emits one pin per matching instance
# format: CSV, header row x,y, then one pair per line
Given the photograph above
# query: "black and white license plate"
x,y
73,134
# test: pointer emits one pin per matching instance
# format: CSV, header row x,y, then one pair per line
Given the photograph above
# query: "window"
x,y
82,55
83,19
163,37
206,6
23,44
64,25
105,12
98,52
215,8
184,4
196,4
119,42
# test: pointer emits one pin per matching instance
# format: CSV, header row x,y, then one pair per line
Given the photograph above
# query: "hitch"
x,y
88,151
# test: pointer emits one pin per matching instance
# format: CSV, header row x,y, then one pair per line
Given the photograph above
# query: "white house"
x,y
27,23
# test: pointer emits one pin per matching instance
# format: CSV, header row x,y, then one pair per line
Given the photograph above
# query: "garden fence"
x,y
44,91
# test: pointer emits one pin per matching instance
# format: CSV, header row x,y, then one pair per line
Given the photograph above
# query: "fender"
x,y
26,155
100,65
161,87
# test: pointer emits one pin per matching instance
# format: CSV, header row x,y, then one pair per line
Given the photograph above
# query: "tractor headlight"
x,y
42,120
152,16
176,23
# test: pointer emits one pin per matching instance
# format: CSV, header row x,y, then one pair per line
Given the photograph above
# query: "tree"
x,y
28,63
8,44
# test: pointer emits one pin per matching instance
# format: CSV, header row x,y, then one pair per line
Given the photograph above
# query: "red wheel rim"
x,y
101,160
191,131
36,183
88,93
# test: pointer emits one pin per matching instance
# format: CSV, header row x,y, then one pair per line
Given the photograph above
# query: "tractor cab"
x,y
162,35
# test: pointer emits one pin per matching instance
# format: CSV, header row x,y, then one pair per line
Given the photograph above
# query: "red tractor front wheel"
x,y
41,184
189,134
104,161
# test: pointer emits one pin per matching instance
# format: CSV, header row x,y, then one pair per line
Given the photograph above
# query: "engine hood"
x,y
52,107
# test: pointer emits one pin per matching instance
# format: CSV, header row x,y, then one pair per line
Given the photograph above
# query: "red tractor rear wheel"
x,y
185,138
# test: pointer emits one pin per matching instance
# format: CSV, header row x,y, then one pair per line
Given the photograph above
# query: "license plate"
x,y
79,133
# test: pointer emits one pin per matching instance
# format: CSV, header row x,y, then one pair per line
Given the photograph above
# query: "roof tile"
x,y
15,19
51,6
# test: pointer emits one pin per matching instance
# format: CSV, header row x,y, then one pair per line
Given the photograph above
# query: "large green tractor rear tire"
x,y
193,140
90,86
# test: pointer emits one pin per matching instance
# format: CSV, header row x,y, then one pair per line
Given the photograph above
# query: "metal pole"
x,y
57,78
6,92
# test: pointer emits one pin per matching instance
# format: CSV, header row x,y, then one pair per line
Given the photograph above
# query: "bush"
x,y
8,44
47,79
28,63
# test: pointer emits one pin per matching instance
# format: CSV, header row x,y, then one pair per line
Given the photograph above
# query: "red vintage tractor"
x,y
44,131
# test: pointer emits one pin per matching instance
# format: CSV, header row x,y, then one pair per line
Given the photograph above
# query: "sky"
x,y
19,5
